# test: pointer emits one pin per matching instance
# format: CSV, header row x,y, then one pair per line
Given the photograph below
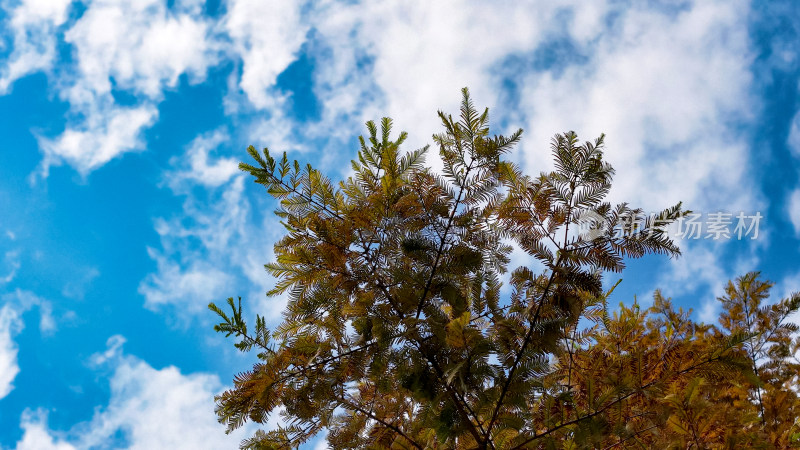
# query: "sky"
x,y
123,213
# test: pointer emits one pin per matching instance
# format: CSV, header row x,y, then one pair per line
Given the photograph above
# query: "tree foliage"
x,y
399,333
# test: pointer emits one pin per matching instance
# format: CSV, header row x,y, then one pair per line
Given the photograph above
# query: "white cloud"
x,y
37,436
149,408
139,44
32,25
698,267
322,444
159,409
201,169
113,350
15,304
789,285
10,325
793,209
275,131
662,84
794,136
101,138
218,243
424,53
10,265
80,281
139,47
408,60
47,323
664,87
215,223
709,312
188,287
266,35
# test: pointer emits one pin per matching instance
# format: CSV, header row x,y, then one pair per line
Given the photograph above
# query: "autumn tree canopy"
x,y
399,333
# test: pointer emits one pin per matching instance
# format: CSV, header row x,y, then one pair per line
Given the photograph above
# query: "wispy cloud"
x,y
79,282
15,304
185,287
201,168
793,140
9,267
10,325
215,248
793,209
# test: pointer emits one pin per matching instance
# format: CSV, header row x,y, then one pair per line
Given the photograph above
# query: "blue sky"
x,y
122,213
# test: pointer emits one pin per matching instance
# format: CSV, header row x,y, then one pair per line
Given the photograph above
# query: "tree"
x,y
398,332
770,352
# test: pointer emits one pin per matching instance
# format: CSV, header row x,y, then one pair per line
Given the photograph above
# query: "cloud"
x,y
322,444
37,436
668,85
793,209
408,60
113,350
278,132
10,266
10,325
709,312
266,36
669,89
135,47
158,409
139,46
32,25
15,304
201,170
102,137
697,268
793,140
148,408
186,287
79,282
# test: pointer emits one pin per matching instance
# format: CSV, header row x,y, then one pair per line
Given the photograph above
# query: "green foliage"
x,y
396,334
